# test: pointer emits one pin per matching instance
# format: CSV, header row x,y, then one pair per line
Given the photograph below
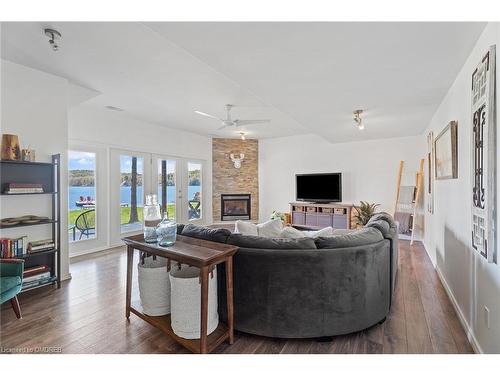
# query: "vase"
x,y
152,218
166,232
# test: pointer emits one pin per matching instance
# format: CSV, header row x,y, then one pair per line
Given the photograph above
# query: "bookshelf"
x,y
48,175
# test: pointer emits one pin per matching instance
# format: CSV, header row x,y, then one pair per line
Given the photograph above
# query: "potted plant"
x,y
364,212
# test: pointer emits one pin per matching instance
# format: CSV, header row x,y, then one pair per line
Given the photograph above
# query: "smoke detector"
x,y
53,36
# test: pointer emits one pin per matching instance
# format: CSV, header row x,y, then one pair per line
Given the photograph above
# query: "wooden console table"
x,y
198,253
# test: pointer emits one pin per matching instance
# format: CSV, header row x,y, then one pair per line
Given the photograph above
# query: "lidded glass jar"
x,y
166,232
152,217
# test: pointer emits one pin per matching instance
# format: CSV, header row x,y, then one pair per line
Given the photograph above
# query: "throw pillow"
x,y
203,233
324,232
246,227
270,229
291,232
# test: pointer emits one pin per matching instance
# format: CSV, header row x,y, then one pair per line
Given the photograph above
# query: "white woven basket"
x,y
186,302
154,286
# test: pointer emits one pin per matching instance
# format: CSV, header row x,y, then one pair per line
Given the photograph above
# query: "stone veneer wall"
x,y
226,179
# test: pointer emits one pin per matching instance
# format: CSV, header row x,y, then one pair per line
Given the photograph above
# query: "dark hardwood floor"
x,y
87,315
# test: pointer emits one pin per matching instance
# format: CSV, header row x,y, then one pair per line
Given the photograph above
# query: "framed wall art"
x,y
446,152
483,158
430,173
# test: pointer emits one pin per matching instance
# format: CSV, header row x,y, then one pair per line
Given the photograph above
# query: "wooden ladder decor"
x,y
417,191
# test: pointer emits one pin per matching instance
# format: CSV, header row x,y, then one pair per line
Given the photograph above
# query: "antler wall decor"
x,y
237,160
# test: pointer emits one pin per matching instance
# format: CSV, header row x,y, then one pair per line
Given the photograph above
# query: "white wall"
x,y
33,106
118,129
369,168
100,130
472,281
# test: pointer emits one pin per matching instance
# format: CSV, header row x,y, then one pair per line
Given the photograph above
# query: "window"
x,y
167,187
194,191
81,195
131,192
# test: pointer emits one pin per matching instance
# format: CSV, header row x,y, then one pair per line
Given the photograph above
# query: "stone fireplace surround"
x,y
226,179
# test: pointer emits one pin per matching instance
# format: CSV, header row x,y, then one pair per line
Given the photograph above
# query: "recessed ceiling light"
x,y
112,108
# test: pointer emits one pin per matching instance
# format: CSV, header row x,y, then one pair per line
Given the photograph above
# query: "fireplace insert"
x,y
235,207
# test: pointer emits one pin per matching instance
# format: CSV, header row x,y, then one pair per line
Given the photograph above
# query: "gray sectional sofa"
x,y
298,288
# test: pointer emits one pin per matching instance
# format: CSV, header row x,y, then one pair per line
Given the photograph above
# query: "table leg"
x,y
204,310
130,260
229,298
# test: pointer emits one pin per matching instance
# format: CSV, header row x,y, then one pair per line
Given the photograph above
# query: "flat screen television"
x,y
319,187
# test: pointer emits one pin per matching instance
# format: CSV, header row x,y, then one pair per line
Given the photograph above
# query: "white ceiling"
x,y
305,77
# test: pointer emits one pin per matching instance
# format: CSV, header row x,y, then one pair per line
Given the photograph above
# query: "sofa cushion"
x,y
343,231
204,233
383,222
9,282
382,225
360,237
180,227
291,232
256,242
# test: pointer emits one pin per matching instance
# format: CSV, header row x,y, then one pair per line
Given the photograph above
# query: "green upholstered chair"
x,y
11,282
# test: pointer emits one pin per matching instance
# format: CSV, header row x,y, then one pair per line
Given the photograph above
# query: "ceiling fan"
x,y
228,121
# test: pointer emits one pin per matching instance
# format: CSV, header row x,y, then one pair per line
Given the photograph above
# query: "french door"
x,y
130,180
179,185
178,182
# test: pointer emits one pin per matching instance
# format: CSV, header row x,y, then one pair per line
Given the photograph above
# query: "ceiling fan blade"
x,y
207,115
250,122
222,127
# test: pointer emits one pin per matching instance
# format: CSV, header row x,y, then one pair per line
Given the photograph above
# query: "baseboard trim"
x,y
468,330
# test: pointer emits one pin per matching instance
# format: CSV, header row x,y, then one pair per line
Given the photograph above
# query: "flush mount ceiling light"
x,y
53,36
242,136
357,119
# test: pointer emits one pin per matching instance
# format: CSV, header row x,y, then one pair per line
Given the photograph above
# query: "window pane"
x,y
166,195
194,191
131,197
81,195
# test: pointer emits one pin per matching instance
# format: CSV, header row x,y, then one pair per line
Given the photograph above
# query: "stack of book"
x,y
13,247
22,188
41,245
35,276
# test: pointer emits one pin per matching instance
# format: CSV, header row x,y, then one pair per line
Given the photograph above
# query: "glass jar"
x,y
152,218
166,232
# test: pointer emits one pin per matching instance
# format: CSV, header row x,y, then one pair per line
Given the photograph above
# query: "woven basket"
x,y
154,286
186,302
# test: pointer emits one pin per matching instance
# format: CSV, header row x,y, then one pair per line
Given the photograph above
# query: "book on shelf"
x,y
13,247
35,270
37,277
36,280
22,188
41,245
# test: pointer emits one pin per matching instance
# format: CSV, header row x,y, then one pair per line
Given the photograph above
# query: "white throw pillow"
x,y
271,228
291,232
324,232
246,227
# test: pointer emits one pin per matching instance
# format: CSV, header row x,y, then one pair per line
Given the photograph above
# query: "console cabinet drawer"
x,y
312,220
340,222
299,218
